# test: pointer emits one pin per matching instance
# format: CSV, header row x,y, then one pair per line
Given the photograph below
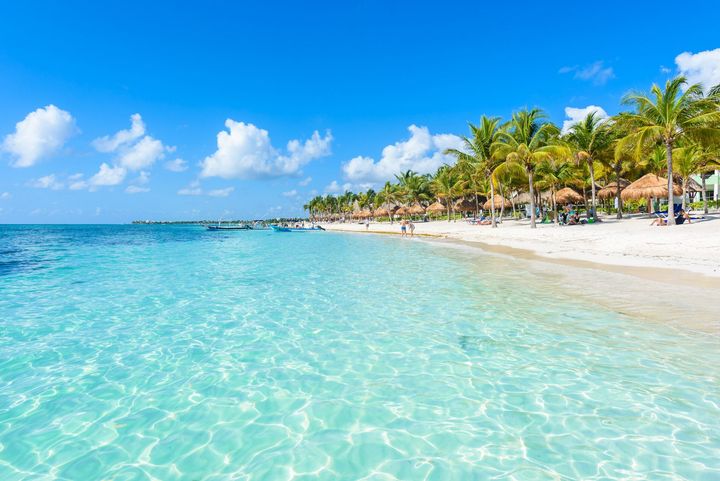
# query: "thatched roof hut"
x,y
524,197
499,203
464,205
567,196
402,211
692,186
647,186
381,212
436,208
610,190
416,209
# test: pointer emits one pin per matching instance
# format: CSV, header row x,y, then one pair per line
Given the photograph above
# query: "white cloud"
x,y
192,189
221,192
5,196
143,178
122,137
136,189
596,72
177,165
108,175
40,134
333,187
48,182
422,153
575,115
142,155
244,151
702,67
290,193
305,182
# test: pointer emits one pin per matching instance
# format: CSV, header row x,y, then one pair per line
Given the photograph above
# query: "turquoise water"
x,y
172,353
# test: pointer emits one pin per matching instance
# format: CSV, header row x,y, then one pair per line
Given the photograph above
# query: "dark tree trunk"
x,y
671,206
619,191
532,200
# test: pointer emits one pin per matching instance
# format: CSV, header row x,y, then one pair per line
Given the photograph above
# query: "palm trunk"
x,y
554,207
477,206
671,207
704,194
502,206
684,187
532,200
448,207
592,180
493,222
618,190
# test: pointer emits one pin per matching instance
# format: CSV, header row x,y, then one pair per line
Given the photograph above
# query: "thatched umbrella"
x,y
402,211
567,196
499,203
364,214
381,212
610,190
416,209
436,208
464,205
648,186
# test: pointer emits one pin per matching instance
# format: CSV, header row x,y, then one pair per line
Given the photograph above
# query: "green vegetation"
x,y
672,132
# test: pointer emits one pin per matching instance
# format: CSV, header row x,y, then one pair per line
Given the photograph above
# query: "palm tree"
x,y
526,140
553,172
447,185
478,153
693,159
591,139
669,116
413,187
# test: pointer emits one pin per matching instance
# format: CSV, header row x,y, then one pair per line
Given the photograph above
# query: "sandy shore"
x,y
655,252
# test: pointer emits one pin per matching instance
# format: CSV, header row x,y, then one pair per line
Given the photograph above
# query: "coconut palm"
x,y
448,185
414,188
668,117
527,140
478,153
591,139
693,159
552,173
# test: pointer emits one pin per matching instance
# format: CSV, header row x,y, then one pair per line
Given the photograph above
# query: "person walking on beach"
x,y
411,226
403,228
367,223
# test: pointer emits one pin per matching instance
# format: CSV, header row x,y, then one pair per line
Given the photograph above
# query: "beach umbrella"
x,y
648,186
499,203
416,209
567,196
381,212
610,190
402,211
464,205
365,213
436,208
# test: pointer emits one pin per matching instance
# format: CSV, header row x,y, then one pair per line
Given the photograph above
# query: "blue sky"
x,y
311,96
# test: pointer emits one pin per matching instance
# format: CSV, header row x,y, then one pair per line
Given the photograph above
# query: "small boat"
x,y
280,228
228,227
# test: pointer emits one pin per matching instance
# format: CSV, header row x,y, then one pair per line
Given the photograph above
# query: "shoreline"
x,y
693,269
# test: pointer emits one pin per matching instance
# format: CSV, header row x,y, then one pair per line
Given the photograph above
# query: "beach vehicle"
x,y
280,228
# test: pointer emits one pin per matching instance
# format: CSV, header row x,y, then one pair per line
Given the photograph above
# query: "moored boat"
x,y
228,227
281,228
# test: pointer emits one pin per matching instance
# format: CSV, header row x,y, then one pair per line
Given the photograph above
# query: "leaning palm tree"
x,y
666,117
526,140
478,153
591,139
552,173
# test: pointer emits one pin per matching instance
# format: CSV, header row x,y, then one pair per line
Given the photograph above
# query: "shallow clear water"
x,y
143,352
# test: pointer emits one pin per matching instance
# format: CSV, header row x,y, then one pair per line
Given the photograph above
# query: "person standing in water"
x,y
403,228
367,223
411,226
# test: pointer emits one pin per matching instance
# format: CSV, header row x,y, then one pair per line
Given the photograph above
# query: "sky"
x,y
117,111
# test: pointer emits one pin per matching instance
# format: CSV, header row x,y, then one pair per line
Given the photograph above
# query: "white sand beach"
x,y
630,242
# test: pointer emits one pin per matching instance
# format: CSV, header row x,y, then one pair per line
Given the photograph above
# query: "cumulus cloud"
x,y
702,67
192,189
596,72
5,196
422,153
177,165
335,188
305,182
108,176
122,137
244,151
142,154
40,134
221,192
48,182
575,115
290,193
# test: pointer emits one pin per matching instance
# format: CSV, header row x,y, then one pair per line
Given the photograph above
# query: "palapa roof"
x,y
499,200
402,211
524,197
436,207
381,212
416,209
464,205
649,185
567,196
693,186
610,190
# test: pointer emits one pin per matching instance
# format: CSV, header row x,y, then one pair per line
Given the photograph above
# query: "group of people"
x,y
405,226
680,218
